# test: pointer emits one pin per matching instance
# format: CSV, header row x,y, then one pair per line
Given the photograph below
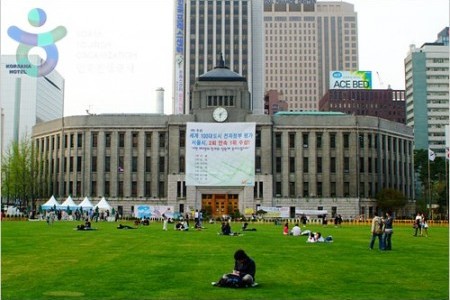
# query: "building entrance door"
x,y
220,204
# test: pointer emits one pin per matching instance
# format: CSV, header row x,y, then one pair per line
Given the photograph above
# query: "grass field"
x,y
57,262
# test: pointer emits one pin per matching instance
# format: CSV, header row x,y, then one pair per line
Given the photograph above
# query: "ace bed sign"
x,y
220,154
351,80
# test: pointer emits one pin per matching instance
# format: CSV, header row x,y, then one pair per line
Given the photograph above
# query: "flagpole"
x,y
429,190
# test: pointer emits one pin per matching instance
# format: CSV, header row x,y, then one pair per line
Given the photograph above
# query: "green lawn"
x,y
56,262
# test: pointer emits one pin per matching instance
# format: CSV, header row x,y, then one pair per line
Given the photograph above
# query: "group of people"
x,y
382,229
420,225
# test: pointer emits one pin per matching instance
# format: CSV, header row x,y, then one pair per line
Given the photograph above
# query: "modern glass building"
x,y
25,100
427,93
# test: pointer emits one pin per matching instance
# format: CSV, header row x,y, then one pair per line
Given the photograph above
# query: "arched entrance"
x,y
220,204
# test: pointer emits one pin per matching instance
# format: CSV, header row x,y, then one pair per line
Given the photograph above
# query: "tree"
x,y
390,199
436,186
19,174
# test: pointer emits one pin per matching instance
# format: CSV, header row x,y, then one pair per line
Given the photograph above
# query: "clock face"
x,y
220,114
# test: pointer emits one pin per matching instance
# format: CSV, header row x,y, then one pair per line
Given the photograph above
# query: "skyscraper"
x,y
427,93
26,101
304,41
205,30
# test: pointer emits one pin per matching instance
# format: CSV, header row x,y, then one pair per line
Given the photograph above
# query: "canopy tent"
x,y
103,205
68,204
86,204
51,203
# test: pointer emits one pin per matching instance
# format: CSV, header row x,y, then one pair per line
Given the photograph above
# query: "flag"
x,y
431,154
447,152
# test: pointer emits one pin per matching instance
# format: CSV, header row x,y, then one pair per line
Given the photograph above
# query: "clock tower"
x,y
220,95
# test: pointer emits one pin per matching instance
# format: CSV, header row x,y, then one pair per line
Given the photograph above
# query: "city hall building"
x,y
223,158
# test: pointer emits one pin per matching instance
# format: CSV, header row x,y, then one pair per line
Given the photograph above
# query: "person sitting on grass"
x,y
243,274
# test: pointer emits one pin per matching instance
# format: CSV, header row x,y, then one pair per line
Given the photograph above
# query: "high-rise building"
x,y
205,31
427,93
25,100
304,41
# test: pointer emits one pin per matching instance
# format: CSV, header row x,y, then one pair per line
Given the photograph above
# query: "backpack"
x,y
378,226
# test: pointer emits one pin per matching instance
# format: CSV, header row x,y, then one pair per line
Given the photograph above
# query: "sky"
x,y
117,53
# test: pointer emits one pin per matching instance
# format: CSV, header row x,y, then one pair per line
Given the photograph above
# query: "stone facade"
x,y
334,162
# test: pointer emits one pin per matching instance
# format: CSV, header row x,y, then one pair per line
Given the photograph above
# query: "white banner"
x,y
220,154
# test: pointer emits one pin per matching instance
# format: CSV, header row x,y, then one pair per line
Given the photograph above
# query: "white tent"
x,y
86,204
103,205
51,203
69,204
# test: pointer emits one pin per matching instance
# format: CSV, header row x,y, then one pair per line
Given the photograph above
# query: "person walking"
x,y
418,224
388,231
377,231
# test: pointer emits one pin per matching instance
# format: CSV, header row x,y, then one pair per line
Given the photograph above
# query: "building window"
x,y
346,164
319,165
121,140
305,165
361,141
333,189
291,140
93,188
162,166
292,189
134,142
121,167
134,164
361,164
120,191
346,189
108,164
319,140
278,140
182,138
162,140
79,162
161,189
148,164
107,188
305,140
182,164
332,164
258,139
278,189
94,139
94,164
346,140
148,140
306,189
133,189
80,140
107,140
319,189
278,164
291,164
147,191
258,164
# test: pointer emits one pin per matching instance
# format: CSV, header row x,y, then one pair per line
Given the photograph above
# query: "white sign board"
x,y
220,154
350,80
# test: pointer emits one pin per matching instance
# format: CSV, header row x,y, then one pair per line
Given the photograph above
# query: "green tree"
x,y
436,186
20,174
390,199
